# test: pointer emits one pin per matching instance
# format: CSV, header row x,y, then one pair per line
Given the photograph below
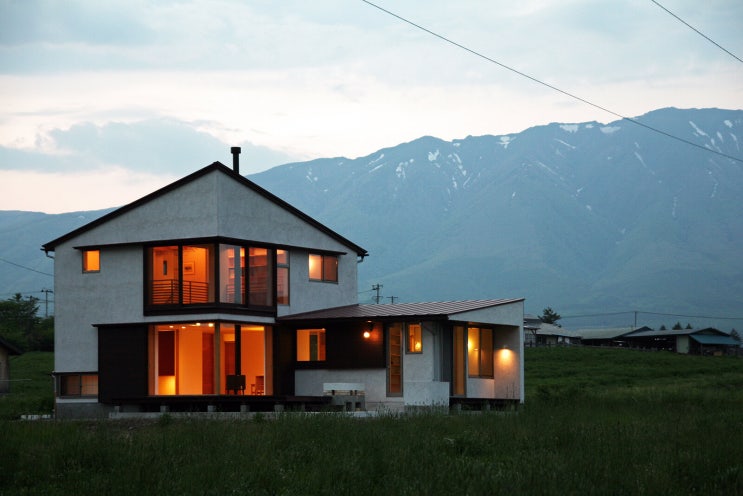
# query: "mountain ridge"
x,y
582,217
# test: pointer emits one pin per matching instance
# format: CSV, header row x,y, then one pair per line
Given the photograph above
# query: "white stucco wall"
x,y
310,382
214,204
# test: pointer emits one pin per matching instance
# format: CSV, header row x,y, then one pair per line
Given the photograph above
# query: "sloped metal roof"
x,y
714,339
439,309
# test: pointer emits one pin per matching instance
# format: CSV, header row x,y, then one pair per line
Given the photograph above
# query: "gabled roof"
x,y
219,167
715,339
647,332
604,332
431,310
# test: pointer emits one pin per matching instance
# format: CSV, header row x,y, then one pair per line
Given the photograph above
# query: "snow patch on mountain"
x,y
433,156
505,141
697,130
570,128
610,129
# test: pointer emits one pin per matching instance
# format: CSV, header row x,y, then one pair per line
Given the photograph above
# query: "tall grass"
x,y
595,422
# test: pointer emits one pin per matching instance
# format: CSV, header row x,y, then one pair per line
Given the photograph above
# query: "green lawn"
x,y
596,421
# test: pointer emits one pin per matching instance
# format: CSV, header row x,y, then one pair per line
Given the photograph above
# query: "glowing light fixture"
x,y
367,334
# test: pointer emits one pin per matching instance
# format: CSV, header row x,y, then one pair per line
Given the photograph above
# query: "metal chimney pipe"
x,y
235,158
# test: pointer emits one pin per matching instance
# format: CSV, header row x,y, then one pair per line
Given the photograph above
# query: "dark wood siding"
x,y
122,362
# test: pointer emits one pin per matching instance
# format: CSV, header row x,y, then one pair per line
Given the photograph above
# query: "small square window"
x,y
323,268
91,260
310,345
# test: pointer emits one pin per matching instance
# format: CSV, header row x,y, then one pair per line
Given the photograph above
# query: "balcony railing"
x,y
165,292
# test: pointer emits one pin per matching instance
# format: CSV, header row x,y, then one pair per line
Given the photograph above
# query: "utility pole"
x,y
377,287
392,299
46,301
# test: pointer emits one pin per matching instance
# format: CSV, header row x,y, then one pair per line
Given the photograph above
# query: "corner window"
x,y
78,385
480,352
91,260
323,268
310,345
282,277
415,338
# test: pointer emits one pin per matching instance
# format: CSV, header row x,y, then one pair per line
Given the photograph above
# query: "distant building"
x,y
704,341
538,333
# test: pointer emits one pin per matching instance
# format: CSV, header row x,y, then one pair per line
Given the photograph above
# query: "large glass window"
x,y
182,359
201,274
480,351
282,277
232,274
252,357
260,279
323,268
310,345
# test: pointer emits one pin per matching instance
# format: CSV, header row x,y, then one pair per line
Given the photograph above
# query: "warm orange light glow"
x,y
166,384
367,334
504,357
417,346
91,261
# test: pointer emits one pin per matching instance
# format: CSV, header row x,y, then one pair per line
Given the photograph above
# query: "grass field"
x,y
595,421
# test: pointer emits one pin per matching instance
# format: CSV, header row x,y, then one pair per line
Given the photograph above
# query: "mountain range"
x,y
589,218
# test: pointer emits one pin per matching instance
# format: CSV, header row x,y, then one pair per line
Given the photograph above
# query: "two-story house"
x,y
212,293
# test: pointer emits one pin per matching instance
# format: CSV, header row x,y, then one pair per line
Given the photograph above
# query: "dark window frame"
x,y
480,373
64,390
214,304
325,268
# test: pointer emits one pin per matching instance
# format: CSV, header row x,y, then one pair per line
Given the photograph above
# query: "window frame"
x,y
215,266
322,349
64,391
86,253
479,373
325,267
410,340
283,268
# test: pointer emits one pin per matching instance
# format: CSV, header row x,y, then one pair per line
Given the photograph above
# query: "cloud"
x,y
159,146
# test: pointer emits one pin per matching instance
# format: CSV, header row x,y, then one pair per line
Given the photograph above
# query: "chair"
x,y
258,387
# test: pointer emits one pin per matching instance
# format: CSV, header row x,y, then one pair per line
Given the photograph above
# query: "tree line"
x,y
21,326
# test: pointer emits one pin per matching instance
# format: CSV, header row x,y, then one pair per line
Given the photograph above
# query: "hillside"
x,y
585,218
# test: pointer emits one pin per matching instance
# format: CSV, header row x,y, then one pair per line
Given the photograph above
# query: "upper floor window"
x,y
210,274
91,260
323,268
282,277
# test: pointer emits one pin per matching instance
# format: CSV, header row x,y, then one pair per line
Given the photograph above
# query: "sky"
x,y
104,102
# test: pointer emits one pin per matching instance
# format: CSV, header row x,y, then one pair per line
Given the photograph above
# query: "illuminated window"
x,y
480,352
282,277
323,268
310,345
91,260
394,360
79,385
415,339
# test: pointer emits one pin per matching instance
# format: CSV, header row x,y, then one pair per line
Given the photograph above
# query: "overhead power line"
x,y
552,87
698,32
26,268
640,312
